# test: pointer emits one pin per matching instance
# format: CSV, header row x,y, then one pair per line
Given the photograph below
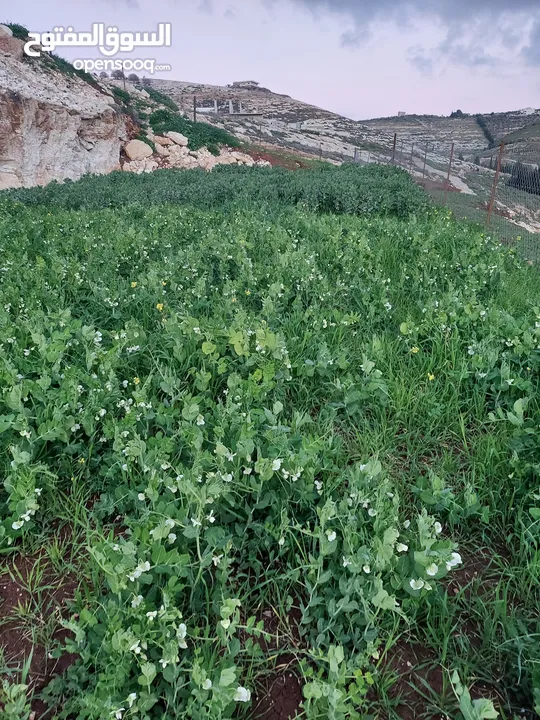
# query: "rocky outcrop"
x,y
181,157
52,126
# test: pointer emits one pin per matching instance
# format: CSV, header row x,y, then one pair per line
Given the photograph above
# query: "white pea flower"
x,y
211,519
181,635
207,684
38,491
195,522
171,537
281,541
118,713
242,695
17,525
141,497
276,465
145,566
247,471
225,624
163,663
152,615
137,601
366,569
401,547
331,535
135,648
227,478
131,699
438,527
346,562
216,559
169,523
372,512
200,419
407,524
230,456
416,584
454,561
318,486
432,570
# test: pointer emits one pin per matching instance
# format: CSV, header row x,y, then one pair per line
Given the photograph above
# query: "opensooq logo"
x,y
107,40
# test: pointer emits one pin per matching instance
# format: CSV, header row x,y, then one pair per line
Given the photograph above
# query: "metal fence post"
x,y
448,176
425,160
495,183
194,108
411,161
394,149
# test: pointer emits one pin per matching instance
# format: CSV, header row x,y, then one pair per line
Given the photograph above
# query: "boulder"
x,y
159,140
162,151
10,45
177,138
137,150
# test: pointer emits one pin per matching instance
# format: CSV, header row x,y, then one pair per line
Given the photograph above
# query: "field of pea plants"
x,y
269,446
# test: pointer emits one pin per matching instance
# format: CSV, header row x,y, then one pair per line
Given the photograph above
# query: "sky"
x,y
359,58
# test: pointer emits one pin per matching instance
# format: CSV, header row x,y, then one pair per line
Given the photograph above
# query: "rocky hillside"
x,y
53,125
257,114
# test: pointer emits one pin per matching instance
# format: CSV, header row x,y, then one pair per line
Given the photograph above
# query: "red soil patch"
x,y
276,160
21,637
279,697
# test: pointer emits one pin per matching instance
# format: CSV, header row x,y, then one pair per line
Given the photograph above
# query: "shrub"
x,y
19,31
198,134
159,97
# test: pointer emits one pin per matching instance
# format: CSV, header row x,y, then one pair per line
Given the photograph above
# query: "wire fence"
x,y
499,188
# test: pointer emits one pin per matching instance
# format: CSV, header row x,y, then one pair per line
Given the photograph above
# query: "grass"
x,y
279,434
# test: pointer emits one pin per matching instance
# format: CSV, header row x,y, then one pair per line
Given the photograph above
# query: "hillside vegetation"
x,y
281,434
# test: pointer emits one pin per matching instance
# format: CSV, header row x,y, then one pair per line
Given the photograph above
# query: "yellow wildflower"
x,y
136,381
81,461
163,283
133,284
415,350
233,300
248,292
160,307
431,377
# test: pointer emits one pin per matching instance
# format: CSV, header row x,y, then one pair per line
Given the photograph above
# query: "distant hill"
x,y
260,114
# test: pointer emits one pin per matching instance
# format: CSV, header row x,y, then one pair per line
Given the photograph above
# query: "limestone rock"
x,y
159,140
137,150
177,138
52,126
162,151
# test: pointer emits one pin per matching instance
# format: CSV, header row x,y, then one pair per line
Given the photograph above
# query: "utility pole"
x,y
194,108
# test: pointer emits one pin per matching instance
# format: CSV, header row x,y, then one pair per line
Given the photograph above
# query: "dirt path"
x,y
456,181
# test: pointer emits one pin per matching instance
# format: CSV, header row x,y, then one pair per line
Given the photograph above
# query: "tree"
x,y
103,75
117,75
457,114
146,81
133,78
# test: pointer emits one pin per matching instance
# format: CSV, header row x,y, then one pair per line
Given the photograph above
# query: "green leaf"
x,y
208,348
227,677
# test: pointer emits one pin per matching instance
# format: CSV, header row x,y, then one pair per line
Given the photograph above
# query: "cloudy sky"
x,y
361,58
